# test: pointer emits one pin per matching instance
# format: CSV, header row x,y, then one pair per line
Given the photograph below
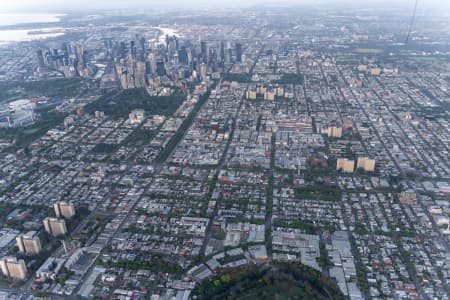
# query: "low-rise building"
x,y
137,116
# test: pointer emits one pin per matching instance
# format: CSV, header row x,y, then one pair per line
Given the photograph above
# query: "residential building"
x,y
29,243
64,209
366,164
55,226
14,268
345,165
335,132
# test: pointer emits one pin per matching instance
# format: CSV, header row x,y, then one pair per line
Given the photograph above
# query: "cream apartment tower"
x,y
366,164
11,267
29,243
64,209
55,226
345,165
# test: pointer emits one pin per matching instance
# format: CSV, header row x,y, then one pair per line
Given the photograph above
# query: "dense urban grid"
x,y
165,156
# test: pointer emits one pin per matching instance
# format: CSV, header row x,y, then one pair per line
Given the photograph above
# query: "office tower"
x,y
183,56
366,164
11,267
203,47
80,61
238,52
335,131
228,55
55,226
151,58
172,48
177,43
140,74
212,58
40,58
160,68
122,49
203,71
29,243
142,44
64,209
133,49
66,49
122,75
66,52
203,51
345,165
222,51
80,55
189,56
167,40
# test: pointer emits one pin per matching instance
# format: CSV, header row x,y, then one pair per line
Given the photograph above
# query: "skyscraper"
x,y
203,52
167,40
222,51
40,58
122,49
160,68
80,55
238,52
142,44
183,56
152,59
140,74
203,47
133,49
203,71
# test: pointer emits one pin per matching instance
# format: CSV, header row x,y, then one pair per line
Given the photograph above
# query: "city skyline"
x,y
254,152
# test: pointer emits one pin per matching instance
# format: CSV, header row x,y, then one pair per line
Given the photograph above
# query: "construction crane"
x,y
411,25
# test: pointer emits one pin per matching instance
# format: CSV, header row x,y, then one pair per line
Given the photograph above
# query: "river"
x,y
21,35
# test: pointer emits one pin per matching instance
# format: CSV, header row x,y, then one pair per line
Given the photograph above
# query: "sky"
x,y
68,5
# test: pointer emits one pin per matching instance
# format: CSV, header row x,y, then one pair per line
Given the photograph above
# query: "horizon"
x,y
53,6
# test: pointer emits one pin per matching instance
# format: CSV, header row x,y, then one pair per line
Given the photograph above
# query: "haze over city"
x,y
54,5
253,149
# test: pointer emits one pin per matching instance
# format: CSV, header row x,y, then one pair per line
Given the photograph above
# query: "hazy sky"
x,y
61,5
